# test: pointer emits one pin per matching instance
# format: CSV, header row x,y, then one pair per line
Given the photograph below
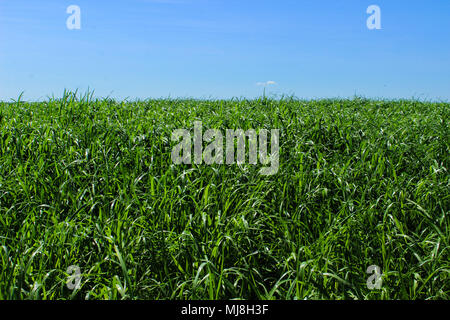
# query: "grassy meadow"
x,y
90,182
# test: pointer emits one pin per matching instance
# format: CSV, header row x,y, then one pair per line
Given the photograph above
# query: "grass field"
x,y
91,183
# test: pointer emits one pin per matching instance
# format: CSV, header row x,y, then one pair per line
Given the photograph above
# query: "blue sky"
x,y
225,48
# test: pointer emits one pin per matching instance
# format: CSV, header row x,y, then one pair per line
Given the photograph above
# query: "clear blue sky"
x,y
224,48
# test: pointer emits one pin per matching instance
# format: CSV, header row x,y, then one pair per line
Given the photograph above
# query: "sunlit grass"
x,y
91,183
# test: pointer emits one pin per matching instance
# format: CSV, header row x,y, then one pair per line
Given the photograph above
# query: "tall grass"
x,y
90,182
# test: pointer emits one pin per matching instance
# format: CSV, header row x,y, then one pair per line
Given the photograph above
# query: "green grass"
x,y
91,183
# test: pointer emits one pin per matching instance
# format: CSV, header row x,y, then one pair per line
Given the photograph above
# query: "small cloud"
x,y
265,84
